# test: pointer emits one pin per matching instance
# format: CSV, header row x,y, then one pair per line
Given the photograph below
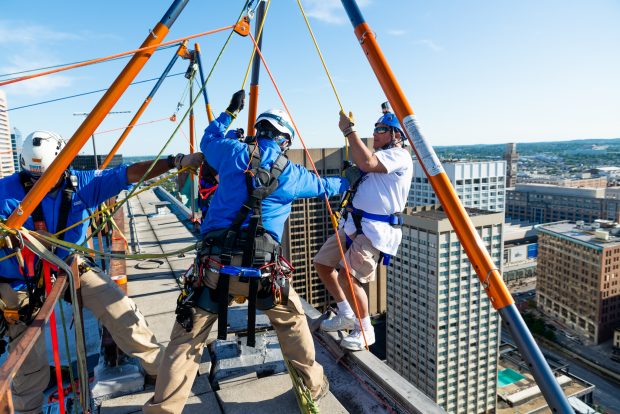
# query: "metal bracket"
x,y
363,36
485,283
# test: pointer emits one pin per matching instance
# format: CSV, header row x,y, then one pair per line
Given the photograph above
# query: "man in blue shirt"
x,y
227,236
70,201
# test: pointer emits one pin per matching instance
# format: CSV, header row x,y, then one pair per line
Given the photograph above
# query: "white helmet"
x,y
280,121
39,150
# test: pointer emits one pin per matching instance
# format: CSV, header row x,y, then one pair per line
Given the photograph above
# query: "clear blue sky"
x,y
474,72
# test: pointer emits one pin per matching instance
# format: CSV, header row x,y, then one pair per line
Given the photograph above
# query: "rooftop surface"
x,y
436,212
234,378
586,234
523,395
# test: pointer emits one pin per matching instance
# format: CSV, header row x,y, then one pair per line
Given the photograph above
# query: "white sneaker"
x,y
338,323
355,340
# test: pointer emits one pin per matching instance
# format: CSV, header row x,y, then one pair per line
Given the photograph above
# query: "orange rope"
x,y
132,126
103,59
191,145
329,208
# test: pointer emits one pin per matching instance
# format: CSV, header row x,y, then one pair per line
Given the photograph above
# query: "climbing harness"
x,y
207,184
70,184
31,268
395,220
262,267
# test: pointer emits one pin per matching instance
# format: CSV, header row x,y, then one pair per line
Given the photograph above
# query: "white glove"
x,y
192,161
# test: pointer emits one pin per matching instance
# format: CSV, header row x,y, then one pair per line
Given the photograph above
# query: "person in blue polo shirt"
x,y
70,201
244,226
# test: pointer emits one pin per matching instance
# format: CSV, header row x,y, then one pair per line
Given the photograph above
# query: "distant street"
x,y
607,393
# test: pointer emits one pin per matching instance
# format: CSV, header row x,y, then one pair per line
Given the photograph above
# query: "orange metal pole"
x,y
252,110
487,271
473,245
94,119
258,33
141,110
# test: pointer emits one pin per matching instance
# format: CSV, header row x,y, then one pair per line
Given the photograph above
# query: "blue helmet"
x,y
390,120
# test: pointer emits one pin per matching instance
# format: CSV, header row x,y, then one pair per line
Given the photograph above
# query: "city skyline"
x,y
518,61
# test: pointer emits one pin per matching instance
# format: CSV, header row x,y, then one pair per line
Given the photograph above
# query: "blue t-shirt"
x,y
230,158
93,188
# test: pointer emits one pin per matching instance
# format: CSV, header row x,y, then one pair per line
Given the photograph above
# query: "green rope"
x,y
198,96
68,351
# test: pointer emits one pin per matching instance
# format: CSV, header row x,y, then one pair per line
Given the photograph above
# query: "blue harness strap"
x,y
240,271
394,220
391,219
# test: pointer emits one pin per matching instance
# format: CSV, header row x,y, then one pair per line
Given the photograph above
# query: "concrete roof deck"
x,y
232,377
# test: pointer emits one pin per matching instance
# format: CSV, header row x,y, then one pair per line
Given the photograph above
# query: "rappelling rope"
x,y
111,206
329,208
185,115
331,82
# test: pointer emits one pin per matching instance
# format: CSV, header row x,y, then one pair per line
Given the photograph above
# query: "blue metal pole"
x,y
163,75
202,80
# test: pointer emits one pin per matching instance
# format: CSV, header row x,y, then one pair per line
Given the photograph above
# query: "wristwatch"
x,y
170,160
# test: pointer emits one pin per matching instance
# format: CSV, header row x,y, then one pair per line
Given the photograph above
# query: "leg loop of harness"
x,y
268,282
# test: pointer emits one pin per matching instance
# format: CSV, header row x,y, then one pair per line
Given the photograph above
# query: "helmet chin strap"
x,y
283,142
392,142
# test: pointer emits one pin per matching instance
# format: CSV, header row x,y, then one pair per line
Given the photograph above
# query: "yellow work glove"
x,y
346,123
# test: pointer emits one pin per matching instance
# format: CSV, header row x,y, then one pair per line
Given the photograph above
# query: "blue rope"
x,y
83,94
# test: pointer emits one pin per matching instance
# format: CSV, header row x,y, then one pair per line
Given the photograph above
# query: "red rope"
x,y
126,127
54,334
329,208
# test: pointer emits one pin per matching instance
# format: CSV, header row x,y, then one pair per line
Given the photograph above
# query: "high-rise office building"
x,y
442,332
87,162
309,226
511,157
578,276
539,203
6,148
16,145
479,184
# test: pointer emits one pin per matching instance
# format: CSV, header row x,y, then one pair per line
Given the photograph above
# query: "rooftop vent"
x,y
601,235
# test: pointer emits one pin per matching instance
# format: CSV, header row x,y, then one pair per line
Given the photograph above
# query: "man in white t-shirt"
x,y
372,227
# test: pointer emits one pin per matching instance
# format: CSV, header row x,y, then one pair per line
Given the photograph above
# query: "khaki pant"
x,y
362,257
182,356
115,311
34,374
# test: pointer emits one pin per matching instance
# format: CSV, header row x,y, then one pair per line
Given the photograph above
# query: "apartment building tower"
x,y
479,184
543,203
16,145
442,332
6,148
578,276
309,226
